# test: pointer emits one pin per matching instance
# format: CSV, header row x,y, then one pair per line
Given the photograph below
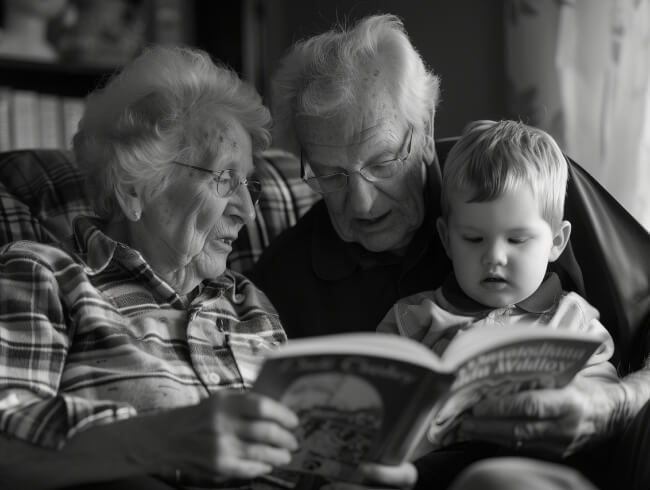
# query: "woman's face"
x,y
186,231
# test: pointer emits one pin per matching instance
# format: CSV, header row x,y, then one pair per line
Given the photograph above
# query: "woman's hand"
x,y
231,435
380,476
559,422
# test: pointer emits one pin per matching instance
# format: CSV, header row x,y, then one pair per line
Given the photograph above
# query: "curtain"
x,y
580,69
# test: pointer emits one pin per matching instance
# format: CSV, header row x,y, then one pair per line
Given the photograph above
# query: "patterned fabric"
x,y
41,191
96,337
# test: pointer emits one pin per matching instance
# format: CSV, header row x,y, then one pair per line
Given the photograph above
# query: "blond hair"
x,y
492,157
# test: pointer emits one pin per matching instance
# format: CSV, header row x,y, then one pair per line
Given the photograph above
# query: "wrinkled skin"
x,y
186,231
380,216
559,422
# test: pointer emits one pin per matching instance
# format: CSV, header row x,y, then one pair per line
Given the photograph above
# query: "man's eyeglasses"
x,y
228,181
372,172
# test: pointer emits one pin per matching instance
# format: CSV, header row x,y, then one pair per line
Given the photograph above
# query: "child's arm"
x,y
575,313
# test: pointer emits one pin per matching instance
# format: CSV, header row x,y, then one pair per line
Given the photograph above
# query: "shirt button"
x,y
214,378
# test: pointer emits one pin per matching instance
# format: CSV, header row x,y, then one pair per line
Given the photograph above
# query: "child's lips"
x,y
494,282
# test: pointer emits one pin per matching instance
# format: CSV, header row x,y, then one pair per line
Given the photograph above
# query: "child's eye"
x,y
472,239
518,240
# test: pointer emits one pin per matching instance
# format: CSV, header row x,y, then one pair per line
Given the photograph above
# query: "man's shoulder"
x,y
296,238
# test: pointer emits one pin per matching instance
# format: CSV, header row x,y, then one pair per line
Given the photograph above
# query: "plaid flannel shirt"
x,y
96,336
41,191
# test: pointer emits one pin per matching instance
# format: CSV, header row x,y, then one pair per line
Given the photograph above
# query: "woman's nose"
x,y
495,254
242,204
361,194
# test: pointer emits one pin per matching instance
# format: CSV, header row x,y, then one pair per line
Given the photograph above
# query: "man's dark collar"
x,y
333,259
543,299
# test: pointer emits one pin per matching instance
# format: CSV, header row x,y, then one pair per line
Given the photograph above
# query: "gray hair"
x,y
320,76
165,105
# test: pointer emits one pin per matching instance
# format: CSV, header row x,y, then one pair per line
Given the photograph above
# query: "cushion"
x,y
41,191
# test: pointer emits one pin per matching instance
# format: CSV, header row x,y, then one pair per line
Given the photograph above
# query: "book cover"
x,y
352,407
5,118
50,121
72,110
377,397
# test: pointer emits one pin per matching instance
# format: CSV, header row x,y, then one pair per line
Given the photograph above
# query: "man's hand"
x,y
559,422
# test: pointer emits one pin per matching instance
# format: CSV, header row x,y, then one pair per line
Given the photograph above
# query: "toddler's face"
x,y
500,249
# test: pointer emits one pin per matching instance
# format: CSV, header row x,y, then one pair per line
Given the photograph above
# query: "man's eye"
x,y
384,170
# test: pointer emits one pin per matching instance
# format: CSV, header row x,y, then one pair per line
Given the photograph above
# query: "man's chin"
x,y
384,242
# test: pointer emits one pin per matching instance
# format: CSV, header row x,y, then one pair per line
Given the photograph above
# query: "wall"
x,y
461,40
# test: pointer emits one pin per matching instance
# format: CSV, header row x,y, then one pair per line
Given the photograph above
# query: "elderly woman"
x,y
126,352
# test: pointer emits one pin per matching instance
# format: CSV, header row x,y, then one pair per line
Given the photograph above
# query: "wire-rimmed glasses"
x,y
228,181
372,172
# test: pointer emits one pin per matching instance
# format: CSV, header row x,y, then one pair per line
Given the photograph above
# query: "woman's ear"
x,y
443,231
129,200
560,240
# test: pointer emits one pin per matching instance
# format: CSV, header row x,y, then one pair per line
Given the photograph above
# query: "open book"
x,y
374,396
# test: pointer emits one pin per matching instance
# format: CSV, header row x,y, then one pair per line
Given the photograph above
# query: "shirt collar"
x,y
95,248
542,300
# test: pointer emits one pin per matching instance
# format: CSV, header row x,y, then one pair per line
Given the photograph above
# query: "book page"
x,y
384,345
352,407
501,361
470,343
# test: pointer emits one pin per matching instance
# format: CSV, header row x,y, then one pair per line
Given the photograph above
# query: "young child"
x,y
503,191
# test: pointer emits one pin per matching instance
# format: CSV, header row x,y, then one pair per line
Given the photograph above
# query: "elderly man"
x,y
358,106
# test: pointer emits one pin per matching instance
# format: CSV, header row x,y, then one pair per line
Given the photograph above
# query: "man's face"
x,y
382,215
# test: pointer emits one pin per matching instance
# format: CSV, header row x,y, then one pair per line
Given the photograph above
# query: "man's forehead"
x,y
375,110
343,131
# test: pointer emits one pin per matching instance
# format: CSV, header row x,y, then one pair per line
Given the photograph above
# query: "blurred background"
x,y
579,69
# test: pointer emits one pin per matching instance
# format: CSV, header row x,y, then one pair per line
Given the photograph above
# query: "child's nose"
x,y
495,254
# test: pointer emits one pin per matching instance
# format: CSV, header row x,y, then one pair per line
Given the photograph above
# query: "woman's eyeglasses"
x,y
372,172
228,181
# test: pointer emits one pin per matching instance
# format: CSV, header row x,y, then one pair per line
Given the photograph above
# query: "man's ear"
x,y
429,142
129,201
428,149
560,240
443,231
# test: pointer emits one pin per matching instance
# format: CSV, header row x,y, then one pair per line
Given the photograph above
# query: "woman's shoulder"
x,y
32,254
